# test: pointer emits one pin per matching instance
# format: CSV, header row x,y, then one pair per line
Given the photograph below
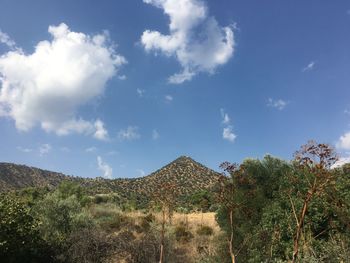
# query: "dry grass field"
x,y
195,245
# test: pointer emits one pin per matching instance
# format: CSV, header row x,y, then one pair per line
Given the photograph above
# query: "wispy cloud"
x,y
24,150
44,149
5,39
225,117
277,104
65,149
140,92
169,98
141,172
155,134
130,133
227,132
105,168
91,149
309,66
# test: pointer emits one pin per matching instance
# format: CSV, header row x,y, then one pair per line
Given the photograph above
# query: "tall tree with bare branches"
x,y
165,196
314,161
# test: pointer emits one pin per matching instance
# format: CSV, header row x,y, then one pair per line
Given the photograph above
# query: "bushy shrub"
x,y
90,245
146,221
205,230
182,234
108,216
20,240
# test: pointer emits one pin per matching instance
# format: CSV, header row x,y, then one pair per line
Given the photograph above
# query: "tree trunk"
x,y
300,226
233,259
161,258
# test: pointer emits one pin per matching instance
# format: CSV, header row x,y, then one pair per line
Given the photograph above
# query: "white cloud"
x,y
277,104
130,133
5,39
140,92
105,168
344,141
169,98
91,149
225,118
155,135
341,162
141,172
101,133
195,39
309,66
48,87
228,134
24,150
44,149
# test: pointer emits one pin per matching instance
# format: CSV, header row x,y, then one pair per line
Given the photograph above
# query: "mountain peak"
x,y
184,158
189,176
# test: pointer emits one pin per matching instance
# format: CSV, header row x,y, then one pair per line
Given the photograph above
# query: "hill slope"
x,y
15,176
188,175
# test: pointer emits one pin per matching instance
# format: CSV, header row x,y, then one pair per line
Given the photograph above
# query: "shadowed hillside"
x,y
15,176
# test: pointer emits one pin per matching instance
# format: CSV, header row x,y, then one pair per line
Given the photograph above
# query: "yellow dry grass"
x,y
193,220
191,250
196,219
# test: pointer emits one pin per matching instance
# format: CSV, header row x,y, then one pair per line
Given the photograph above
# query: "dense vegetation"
x,y
268,210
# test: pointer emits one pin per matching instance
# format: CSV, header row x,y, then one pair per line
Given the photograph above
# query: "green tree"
x,y
20,240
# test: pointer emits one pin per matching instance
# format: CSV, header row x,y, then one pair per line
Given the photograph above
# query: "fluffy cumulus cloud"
x,y
129,134
344,142
47,87
195,38
104,168
227,132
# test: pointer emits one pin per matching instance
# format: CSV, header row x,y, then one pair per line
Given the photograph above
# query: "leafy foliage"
x,y
20,240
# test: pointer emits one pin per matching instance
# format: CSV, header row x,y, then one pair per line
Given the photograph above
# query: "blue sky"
x,y
120,88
